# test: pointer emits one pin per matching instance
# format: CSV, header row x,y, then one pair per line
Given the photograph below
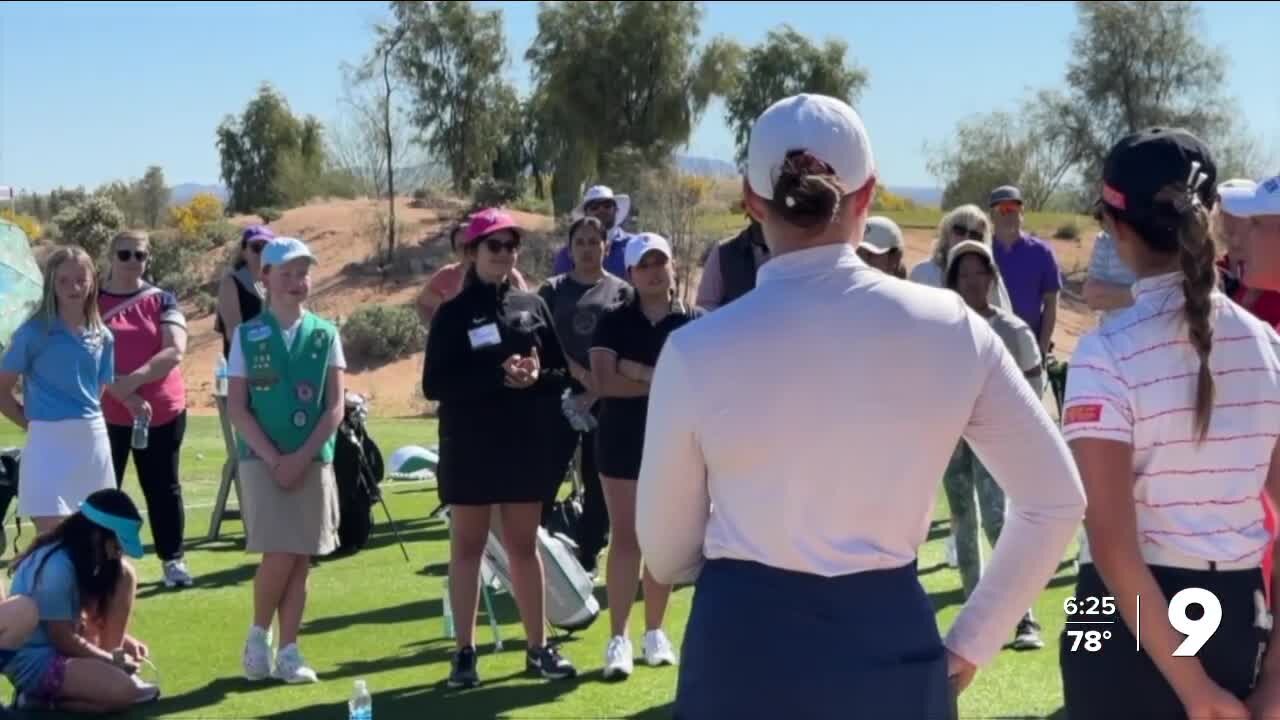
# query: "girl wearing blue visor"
x,y
80,657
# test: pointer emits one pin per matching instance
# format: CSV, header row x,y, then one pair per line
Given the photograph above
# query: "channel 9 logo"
x,y
1198,630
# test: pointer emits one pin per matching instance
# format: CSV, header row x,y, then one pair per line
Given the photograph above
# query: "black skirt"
x,y
515,454
1116,682
620,437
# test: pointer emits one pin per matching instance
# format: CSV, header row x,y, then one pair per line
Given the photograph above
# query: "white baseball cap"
x,y
641,244
881,236
826,127
283,249
1244,201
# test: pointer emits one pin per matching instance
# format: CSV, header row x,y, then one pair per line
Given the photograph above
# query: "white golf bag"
x,y
570,602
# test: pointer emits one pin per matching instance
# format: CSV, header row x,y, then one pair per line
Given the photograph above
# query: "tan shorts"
x,y
302,521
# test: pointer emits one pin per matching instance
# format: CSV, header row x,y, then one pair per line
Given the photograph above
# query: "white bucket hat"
x,y
601,192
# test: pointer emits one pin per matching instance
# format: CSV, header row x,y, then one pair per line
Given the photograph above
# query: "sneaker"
x,y
464,673
618,658
176,574
953,560
1027,636
256,660
547,662
147,692
658,650
291,668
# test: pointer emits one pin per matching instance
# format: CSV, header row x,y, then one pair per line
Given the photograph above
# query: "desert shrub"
x,y
1067,231
203,303
382,333
487,192
269,214
192,217
173,265
90,223
30,226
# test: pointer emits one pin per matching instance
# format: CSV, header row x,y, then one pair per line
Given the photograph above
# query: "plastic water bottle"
x,y
361,704
447,612
220,377
139,438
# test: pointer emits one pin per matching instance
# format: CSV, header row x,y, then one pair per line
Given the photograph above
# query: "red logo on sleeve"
x,y
1082,414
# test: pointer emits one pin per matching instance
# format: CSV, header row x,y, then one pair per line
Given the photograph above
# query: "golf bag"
x,y
9,460
358,469
570,602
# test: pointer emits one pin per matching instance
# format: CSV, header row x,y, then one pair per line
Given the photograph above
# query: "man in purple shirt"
x,y
1028,265
611,210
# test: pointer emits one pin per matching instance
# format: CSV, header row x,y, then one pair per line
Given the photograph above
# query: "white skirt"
x,y
63,463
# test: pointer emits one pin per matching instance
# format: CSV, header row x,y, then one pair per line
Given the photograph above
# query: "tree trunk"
x,y
391,164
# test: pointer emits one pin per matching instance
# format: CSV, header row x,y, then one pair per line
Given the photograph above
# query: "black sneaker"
x,y
1027,636
464,673
548,663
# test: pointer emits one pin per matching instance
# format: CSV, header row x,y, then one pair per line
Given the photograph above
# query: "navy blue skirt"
x,y
769,643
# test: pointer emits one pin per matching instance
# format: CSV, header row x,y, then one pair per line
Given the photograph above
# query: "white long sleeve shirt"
x,y
806,426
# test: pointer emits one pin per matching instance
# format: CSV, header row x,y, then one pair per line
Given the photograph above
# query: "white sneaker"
x,y
256,660
146,691
291,668
953,560
176,574
618,657
657,649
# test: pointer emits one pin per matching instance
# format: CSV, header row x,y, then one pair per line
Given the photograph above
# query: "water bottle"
x,y
220,377
361,704
447,612
139,441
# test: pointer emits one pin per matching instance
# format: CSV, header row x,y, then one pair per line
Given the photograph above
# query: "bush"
x,y
90,223
200,211
204,304
1069,231
173,263
382,333
269,214
487,192
221,234
29,225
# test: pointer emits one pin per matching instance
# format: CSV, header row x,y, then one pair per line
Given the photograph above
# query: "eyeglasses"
x,y
126,255
1008,207
496,246
965,232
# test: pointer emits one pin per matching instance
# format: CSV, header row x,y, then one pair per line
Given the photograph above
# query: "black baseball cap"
x,y
1144,163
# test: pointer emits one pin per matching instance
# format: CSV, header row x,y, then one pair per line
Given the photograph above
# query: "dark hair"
x,y
453,236
807,192
953,272
85,544
1177,222
589,220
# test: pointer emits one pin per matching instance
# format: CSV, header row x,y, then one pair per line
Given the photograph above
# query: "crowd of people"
x,y
779,443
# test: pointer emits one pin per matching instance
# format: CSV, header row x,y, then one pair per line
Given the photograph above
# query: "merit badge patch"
x,y
259,333
1082,414
300,419
306,392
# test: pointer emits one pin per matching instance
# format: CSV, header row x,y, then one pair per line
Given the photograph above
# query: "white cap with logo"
x,y
644,243
1245,201
881,236
824,126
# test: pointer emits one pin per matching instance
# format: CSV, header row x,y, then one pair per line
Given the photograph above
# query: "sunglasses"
x,y
126,255
496,246
1008,207
965,232
257,247
599,204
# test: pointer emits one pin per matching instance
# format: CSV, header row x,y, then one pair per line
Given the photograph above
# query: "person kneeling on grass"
x,y
285,401
79,657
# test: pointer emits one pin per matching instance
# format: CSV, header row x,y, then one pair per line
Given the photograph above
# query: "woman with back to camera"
x,y
495,367
150,340
775,410
623,353
1171,413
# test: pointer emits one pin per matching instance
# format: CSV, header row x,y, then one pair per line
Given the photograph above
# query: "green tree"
x,y
451,56
91,223
125,197
609,75
786,64
253,147
155,196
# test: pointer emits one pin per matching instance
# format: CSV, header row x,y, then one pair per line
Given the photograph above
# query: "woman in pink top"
x,y
151,338
446,282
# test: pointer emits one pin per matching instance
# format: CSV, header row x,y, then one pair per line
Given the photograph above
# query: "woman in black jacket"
x,y
495,366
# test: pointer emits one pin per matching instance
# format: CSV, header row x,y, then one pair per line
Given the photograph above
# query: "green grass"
x,y
374,616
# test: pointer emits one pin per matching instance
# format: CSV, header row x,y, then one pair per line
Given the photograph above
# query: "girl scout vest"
x,y
286,384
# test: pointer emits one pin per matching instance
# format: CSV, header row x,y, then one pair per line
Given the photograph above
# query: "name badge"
x,y
484,336
259,333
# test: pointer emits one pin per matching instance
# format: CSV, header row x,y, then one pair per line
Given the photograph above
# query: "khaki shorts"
x,y
302,521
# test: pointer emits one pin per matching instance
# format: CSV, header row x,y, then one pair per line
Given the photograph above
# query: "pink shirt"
x,y
136,320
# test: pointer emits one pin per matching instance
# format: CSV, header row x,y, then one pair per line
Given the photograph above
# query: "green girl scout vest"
x,y
286,385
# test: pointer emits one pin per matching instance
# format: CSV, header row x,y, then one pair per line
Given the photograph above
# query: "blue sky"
x,y
94,92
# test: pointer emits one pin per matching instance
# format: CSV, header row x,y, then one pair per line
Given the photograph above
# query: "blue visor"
x,y
127,530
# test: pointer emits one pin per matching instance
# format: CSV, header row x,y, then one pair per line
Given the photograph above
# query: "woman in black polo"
x,y
623,354
495,365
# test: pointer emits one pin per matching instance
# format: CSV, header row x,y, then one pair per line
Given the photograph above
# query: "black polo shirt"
x,y
625,331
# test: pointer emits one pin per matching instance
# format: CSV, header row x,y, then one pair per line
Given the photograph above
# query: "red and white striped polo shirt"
x,y
1133,380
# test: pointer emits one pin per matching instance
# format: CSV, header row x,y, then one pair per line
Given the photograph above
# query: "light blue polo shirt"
x,y
63,374
57,598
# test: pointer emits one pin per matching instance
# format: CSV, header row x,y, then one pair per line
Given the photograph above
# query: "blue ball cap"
x,y
283,249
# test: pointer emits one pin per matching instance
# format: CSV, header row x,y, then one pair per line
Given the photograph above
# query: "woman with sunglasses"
x,y
446,282
240,294
495,367
151,339
80,657
966,222
577,300
1170,411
